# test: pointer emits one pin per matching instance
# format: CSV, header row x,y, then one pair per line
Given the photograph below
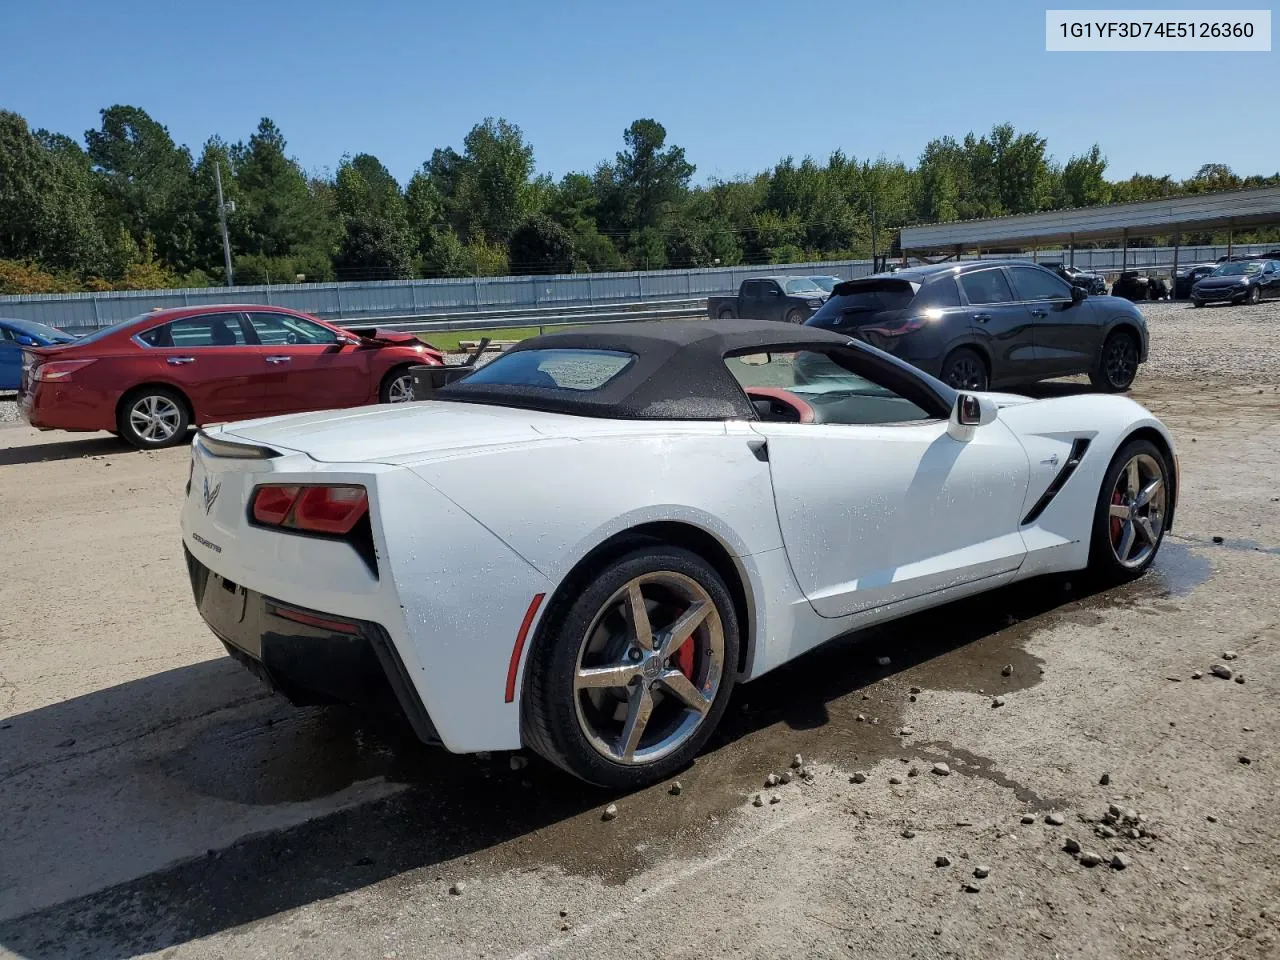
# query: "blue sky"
x,y
738,83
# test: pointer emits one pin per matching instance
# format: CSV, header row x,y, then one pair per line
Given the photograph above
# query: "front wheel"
x,y
795,316
152,418
1253,297
1196,303
1131,514
631,674
964,370
397,386
1117,364
726,314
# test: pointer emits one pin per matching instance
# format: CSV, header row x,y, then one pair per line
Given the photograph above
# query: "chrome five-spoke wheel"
x,y
632,665
649,668
1136,515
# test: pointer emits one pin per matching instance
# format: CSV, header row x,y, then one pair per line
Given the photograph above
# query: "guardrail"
x,y
549,317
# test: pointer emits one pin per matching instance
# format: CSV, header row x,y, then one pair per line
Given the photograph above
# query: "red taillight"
x,y
333,510
330,509
58,369
272,504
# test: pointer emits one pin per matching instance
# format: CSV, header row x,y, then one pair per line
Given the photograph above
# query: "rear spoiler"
x,y
872,283
427,380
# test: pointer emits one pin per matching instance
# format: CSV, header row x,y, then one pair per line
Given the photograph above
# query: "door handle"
x,y
1039,313
982,317
179,361
278,359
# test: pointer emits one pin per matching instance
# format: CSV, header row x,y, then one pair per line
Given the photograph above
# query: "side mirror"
x,y
969,413
1078,294
25,341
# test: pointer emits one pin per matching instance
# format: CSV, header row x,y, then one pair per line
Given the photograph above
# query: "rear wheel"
x,y
795,316
1117,363
1197,303
632,672
153,417
397,386
1131,513
964,369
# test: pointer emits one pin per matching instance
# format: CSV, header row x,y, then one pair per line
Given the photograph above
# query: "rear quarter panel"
x,y
554,502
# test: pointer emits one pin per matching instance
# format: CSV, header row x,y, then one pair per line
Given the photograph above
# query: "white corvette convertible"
x,y
584,545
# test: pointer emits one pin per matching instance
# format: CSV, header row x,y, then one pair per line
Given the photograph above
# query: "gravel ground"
x,y
157,800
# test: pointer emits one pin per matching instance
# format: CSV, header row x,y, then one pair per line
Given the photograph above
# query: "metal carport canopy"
x,y
1201,211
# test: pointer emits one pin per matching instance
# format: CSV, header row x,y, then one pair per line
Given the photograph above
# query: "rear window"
x,y
581,370
861,298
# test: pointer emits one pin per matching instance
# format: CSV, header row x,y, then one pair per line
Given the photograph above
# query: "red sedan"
x,y
150,378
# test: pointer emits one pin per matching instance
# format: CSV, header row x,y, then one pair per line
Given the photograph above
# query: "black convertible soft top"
x,y
678,372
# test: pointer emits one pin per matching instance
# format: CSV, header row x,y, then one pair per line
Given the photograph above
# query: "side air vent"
x,y
1078,448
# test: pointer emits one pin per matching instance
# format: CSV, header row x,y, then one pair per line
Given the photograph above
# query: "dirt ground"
x,y
155,799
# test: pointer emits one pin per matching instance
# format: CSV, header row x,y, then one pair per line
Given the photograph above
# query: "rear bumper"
x,y
65,406
309,656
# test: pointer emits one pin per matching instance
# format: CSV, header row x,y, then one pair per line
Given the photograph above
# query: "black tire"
x,y
1197,303
553,711
1253,297
151,418
796,317
725,314
396,379
1117,363
1104,564
964,369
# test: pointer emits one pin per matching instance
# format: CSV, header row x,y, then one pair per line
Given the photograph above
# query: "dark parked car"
x,y
1091,283
793,299
1244,281
1186,278
991,323
17,334
1132,285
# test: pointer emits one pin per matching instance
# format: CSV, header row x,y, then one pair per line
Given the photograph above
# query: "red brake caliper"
x,y
684,657
1116,522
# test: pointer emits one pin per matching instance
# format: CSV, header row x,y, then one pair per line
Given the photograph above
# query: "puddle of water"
x,y
538,816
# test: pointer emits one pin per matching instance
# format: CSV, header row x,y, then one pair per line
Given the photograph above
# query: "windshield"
x,y
832,392
580,370
825,283
42,330
1237,270
802,285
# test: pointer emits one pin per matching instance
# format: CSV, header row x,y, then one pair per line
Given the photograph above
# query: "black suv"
x,y
986,323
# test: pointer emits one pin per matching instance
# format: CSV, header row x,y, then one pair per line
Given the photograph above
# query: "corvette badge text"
x,y
205,543
1158,30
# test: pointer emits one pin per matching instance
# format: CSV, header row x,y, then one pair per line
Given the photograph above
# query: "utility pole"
x,y
222,222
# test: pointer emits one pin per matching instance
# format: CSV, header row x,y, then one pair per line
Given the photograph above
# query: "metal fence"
x,y
452,302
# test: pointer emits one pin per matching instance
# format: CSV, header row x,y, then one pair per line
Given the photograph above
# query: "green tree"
x,y
49,210
649,177
1084,182
282,212
145,180
541,245
492,192
374,248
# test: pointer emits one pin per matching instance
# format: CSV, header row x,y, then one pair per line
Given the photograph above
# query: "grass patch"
x,y
448,339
